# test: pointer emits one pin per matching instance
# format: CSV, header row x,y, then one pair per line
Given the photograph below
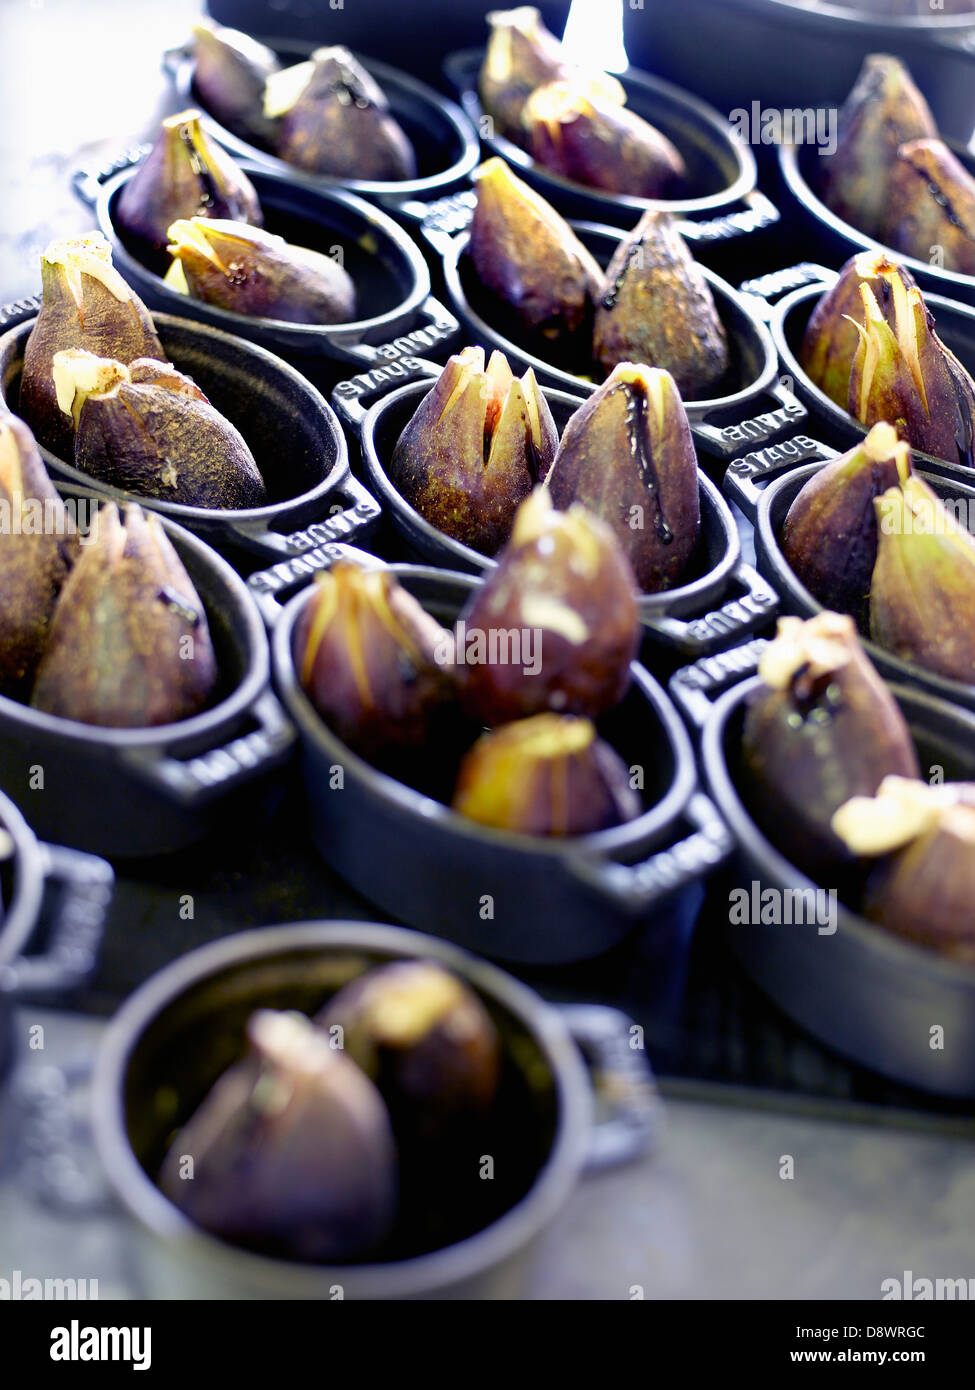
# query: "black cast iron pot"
x,y
446,146
767,508
721,194
390,275
693,617
512,897
181,1030
863,991
293,434
136,792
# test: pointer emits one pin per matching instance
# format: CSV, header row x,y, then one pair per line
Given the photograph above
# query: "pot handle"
x,y
736,618
440,327
353,511
86,183
19,311
762,293
634,888
743,475
759,212
84,894
348,396
443,219
271,587
622,1079
194,781
694,688
726,440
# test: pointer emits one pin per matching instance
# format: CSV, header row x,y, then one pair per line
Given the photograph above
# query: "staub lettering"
x,y
798,450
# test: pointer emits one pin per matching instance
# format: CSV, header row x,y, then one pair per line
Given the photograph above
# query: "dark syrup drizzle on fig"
x,y
348,88
210,195
613,293
639,436
181,606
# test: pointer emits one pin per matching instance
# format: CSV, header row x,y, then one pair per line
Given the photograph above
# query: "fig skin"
x,y
34,559
185,174
341,125
376,666
883,111
563,577
932,203
521,54
822,729
524,252
922,593
549,775
656,307
580,135
251,272
292,1150
830,342
903,373
229,78
152,439
627,455
478,444
86,305
117,654
830,532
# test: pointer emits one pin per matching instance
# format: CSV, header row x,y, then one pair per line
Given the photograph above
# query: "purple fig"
x,y
521,55
931,206
230,73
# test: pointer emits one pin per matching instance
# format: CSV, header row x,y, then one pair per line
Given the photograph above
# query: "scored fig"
x,y
86,304
252,272
527,254
37,546
627,455
656,307
478,444
830,532
156,438
229,77
548,775
883,111
129,643
185,174
922,595
831,339
521,55
333,118
374,663
291,1152
821,728
932,204
564,586
578,133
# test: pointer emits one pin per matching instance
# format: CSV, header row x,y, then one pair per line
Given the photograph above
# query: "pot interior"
x,y
199,1034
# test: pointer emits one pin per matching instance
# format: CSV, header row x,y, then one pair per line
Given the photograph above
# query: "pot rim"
x,y
423,809
304,334
436,1269
453,550
174,736
22,912
385,75
761,853
456,247
916,26
181,513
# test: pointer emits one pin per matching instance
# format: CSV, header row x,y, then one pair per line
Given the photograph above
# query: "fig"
x,y
229,79
627,455
830,532
521,55
903,373
158,438
334,119
291,1152
37,546
375,665
564,587
185,174
477,445
931,206
249,271
129,644
821,728
423,1037
830,342
883,111
656,307
86,304
548,775
529,256
923,888
578,133
922,594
